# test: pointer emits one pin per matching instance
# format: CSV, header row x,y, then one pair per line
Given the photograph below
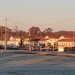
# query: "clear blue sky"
x,y
41,13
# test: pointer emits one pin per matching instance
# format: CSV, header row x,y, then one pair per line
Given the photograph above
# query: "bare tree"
x,y
48,30
15,29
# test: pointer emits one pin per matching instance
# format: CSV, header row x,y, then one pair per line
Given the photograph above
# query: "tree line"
x,y
33,31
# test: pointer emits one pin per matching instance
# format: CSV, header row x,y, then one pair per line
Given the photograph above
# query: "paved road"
x,y
12,63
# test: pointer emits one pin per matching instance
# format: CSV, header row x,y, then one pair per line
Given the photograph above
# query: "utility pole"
x,y
5,33
74,38
29,42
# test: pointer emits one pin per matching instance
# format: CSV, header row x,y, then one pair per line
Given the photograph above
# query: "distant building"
x,y
15,38
65,37
51,39
66,42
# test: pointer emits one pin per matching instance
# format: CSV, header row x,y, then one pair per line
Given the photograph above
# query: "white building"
x,y
51,39
66,42
15,38
65,37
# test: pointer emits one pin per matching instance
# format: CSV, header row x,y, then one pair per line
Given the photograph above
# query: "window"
x,y
66,44
69,43
63,43
72,44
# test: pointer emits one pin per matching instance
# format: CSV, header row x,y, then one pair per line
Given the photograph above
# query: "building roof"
x,y
67,40
71,37
16,36
36,38
51,35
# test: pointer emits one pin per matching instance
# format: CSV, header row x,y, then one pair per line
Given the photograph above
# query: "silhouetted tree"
x,y
33,31
48,30
21,41
21,44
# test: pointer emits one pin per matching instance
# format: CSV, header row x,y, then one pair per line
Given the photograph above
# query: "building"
x,y
50,39
66,37
66,42
15,38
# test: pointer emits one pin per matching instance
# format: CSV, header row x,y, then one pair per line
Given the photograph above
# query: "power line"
x,y
19,23
62,21
45,24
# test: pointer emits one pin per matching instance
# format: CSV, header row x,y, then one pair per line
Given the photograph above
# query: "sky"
x,y
56,14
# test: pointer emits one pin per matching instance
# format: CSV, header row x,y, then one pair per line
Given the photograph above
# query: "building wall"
x,y
66,44
16,43
52,41
14,39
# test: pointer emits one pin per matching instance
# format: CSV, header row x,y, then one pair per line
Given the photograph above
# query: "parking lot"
x,y
19,63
